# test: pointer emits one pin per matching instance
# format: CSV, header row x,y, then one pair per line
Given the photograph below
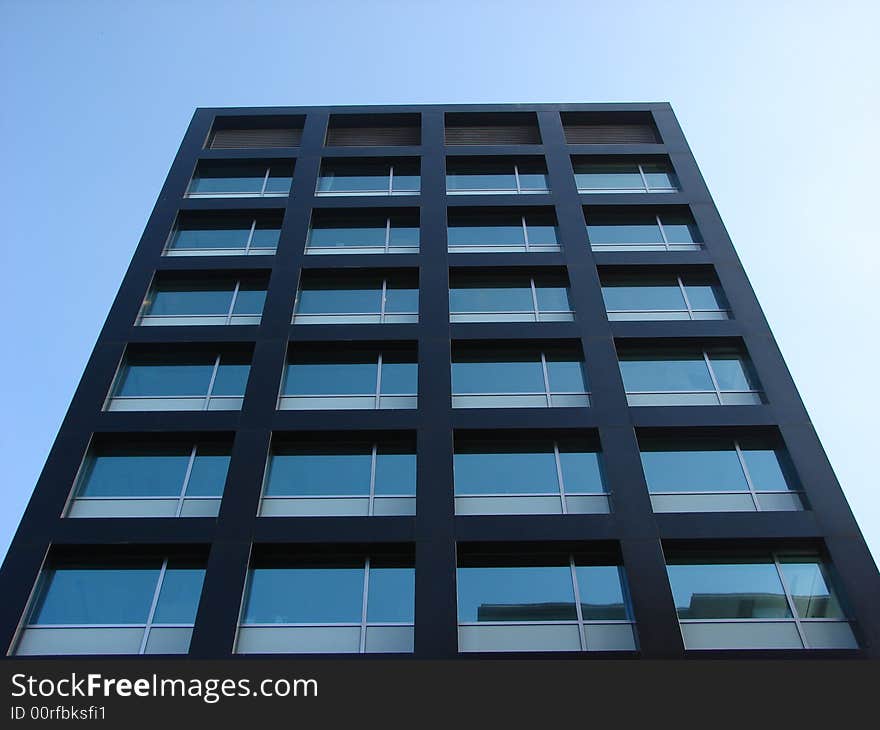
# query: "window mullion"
x,y
644,179
266,180
516,177
391,179
250,240
745,468
232,302
582,633
790,600
662,232
186,477
559,479
363,642
546,379
712,376
211,381
687,301
534,298
382,302
378,380
387,234
153,604
525,232
372,498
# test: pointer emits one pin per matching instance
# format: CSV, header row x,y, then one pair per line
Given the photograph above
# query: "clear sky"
x,y
779,101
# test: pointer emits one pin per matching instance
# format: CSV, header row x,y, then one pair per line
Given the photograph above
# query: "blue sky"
x,y
779,101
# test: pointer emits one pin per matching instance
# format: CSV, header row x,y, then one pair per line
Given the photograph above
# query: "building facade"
x,y
438,381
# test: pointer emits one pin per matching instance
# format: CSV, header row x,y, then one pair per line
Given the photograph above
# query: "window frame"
x,y
536,314
379,191
230,318
640,165
689,312
517,189
527,246
247,250
664,245
380,317
385,248
263,193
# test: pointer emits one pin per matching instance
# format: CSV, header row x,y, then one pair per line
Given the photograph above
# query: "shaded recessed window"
x,y
188,381
632,230
624,176
526,376
528,474
328,604
661,296
477,231
707,474
509,297
495,175
361,298
206,301
151,479
359,379
781,600
542,603
118,606
355,231
340,476
245,179
364,176
688,376
198,234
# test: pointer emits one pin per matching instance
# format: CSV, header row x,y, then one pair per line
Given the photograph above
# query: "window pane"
x,y
581,470
401,300
611,176
705,296
728,590
229,178
491,297
399,378
606,233
231,379
395,473
812,595
340,237
566,376
391,595
693,471
658,175
320,474
731,372
404,236
133,473
511,235
192,235
331,300
96,596
532,180
679,229
280,178
158,379
304,595
501,179
553,299
683,373
765,470
189,299
265,235
601,593
249,301
516,594
497,376
179,597
208,475
358,176
543,235
350,378
643,297
506,471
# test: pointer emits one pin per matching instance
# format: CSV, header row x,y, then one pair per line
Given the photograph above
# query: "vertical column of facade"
x,y
641,550
436,623
226,574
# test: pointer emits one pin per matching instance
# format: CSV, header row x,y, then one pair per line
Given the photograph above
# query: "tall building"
x,y
438,380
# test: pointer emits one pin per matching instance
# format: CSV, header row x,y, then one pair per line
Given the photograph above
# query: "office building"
x,y
438,381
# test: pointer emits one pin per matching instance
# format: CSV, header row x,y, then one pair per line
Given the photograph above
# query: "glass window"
x,y
505,469
549,603
627,176
329,604
365,176
646,231
669,372
136,605
507,297
311,470
495,175
643,295
213,179
728,590
314,378
497,295
566,373
186,376
757,601
474,230
707,469
497,372
329,299
364,231
213,301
